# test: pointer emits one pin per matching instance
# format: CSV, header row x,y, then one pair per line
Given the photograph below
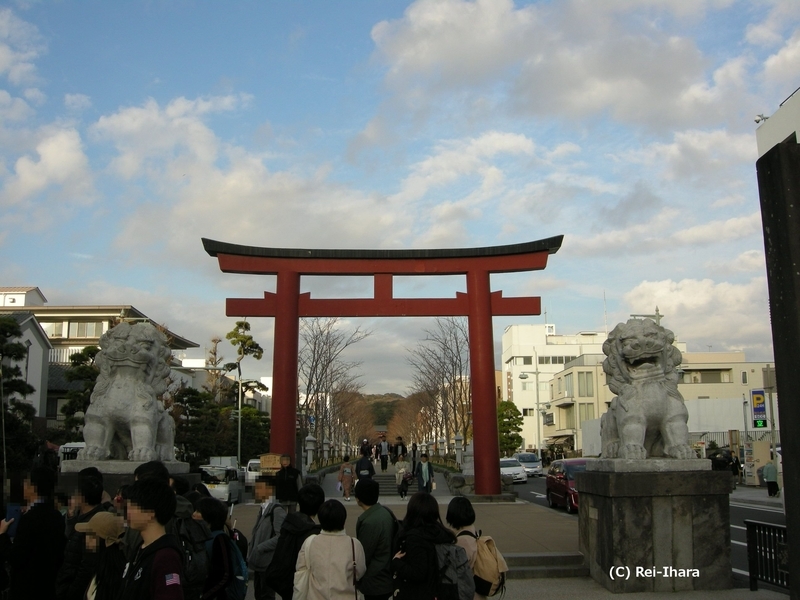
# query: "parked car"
x,y
511,466
560,484
530,462
223,483
253,471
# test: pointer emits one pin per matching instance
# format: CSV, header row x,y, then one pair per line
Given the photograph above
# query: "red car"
x,y
561,483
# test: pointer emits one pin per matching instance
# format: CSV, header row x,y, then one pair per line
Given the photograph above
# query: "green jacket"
x,y
374,531
769,472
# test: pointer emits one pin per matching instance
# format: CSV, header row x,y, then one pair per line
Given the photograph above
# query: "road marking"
x,y
538,495
761,508
740,572
738,543
739,527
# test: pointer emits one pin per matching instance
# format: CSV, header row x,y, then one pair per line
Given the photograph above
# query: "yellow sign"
x,y
270,463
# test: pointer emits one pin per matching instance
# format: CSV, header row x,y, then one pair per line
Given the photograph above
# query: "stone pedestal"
x,y
116,473
655,524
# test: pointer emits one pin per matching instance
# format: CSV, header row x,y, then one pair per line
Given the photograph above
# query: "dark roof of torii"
x,y
549,245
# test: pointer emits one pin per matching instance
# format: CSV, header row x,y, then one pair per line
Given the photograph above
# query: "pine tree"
x,y
509,423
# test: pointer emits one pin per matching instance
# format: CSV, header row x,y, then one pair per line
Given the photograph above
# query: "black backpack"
x,y
280,573
395,530
192,536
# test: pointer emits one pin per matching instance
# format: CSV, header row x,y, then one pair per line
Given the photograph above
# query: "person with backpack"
x,y
295,529
156,570
329,564
487,564
191,534
418,570
403,476
103,533
364,468
424,474
227,573
376,529
264,538
345,477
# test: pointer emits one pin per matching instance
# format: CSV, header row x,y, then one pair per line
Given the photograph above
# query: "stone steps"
x,y
545,565
388,486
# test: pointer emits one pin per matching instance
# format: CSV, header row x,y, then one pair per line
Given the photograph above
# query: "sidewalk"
x,y
757,496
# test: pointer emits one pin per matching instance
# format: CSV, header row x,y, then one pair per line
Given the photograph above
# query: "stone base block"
x,y
651,465
656,531
120,467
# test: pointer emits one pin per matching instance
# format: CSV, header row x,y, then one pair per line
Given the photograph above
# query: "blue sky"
x,y
128,131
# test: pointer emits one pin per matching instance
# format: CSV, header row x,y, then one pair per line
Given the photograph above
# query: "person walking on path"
x,y
374,530
402,476
415,564
330,563
414,457
736,469
383,452
288,482
264,538
461,517
770,474
345,477
424,474
364,468
399,449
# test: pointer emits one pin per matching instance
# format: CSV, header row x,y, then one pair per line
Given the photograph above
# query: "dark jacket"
x,y
417,571
36,554
288,481
298,526
420,466
155,573
220,573
79,566
364,464
374,531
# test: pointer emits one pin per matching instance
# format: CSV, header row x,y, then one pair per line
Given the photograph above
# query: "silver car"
x,y
530,462
511,466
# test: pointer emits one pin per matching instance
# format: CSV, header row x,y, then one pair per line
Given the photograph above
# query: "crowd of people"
x,y
161,538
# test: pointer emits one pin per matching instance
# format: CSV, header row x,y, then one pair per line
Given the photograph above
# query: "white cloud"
x,y
20,45
769,31
60,162
748,261
77,102
705,312
13,109
715,232
782,67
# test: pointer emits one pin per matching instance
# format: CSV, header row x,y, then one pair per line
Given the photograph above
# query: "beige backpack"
x,y
490,567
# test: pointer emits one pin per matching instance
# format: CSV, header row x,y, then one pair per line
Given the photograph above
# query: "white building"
x,y
532,355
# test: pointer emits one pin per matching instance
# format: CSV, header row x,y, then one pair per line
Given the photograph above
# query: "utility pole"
x,y
769,385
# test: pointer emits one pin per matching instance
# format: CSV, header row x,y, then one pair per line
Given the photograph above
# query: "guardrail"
x,y
767,554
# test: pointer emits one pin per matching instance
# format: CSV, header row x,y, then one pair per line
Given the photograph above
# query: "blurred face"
x,y
263,491
91,542
139,518
197,516
285,461
29,491
424,459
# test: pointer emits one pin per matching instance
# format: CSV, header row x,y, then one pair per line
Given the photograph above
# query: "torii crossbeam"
x,y
479,304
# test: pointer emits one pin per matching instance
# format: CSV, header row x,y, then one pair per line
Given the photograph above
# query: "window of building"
x,y
559,384
54,329
744,377
528,386
570,390
84,329
585,412
528,412
568,417
547,419
527,360
585,384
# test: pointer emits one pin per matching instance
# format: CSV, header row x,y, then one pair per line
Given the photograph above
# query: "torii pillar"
x,y
287,305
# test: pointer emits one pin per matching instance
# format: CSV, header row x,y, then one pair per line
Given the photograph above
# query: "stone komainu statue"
x,y
648,417
125,419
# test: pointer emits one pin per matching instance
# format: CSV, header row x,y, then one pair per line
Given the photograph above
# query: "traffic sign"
x,y
757,401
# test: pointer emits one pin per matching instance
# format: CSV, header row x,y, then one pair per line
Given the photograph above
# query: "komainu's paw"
x,y
142,455
611,450
634,451
680,451
94,453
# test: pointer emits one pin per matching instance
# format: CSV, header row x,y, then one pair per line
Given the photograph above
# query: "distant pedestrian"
x,y
288,482
345,477
383,452
364,468
424,474
402,476
330,563
365,448
414,457
770,474
264,538
736,469
37,552
399,449
415,564
374,530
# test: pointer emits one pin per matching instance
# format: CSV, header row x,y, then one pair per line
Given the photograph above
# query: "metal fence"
x,y
721,437
767,554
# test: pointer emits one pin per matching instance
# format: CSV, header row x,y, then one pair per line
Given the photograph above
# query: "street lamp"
x,y
539,411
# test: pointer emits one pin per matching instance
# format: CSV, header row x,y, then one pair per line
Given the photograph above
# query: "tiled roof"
x,y
57,379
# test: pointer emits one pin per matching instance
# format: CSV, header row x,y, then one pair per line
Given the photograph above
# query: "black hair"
x,y
180,485
123,491
213,512
332,515
153,469
367,491
193,497
154,495
424,455
309,498
91,472
289,456
423,512
346,458
44,480
460,512
201,489
91,489
268,479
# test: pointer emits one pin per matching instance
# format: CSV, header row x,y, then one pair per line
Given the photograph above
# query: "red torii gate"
x,y
479,305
